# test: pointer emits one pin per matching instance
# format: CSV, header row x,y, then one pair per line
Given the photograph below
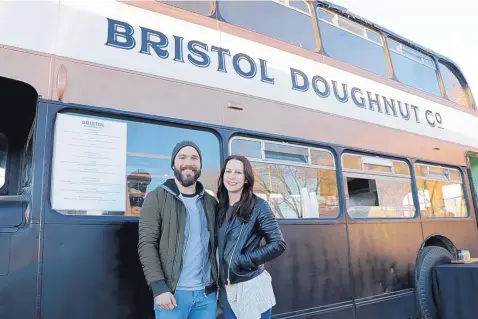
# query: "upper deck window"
x,y
352,43
297,181
413,68
204,8
3,158
288,21
454,89
105,166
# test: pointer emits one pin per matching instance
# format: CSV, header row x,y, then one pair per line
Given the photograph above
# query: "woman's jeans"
x,y
191,304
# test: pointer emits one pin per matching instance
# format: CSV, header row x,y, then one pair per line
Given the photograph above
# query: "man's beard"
x,y
187,181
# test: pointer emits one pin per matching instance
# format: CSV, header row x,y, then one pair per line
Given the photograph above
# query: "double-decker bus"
x,y
363,142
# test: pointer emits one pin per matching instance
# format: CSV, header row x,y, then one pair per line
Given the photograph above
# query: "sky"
x,y
446,27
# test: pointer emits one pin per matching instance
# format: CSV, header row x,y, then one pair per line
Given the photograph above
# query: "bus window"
x,y
454,89
339,34
3,159
267,18
377,187
99,174
413,68
297,181
204,8
440,191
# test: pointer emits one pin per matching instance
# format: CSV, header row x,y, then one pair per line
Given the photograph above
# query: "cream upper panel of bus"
x,y
122,36
30,25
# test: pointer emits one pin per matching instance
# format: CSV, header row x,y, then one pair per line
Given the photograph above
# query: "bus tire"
x,y
429,257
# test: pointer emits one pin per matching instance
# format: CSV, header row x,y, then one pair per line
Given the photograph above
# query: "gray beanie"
x,y
182,144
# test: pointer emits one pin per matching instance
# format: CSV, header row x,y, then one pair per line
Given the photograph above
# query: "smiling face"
x,y
187,166
234,177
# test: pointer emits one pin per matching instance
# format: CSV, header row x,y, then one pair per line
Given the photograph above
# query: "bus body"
x,y
362,142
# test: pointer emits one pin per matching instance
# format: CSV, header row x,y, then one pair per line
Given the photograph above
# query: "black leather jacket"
x,y
249,256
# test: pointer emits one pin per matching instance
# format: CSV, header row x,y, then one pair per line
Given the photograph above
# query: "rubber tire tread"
x,y
428,258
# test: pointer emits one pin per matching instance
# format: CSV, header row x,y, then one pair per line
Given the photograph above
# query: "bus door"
x,y
19,237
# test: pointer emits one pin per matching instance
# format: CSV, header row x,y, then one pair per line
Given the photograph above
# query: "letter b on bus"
x,y
120,35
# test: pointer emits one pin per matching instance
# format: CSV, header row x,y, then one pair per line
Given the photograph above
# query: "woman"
x,y
243,220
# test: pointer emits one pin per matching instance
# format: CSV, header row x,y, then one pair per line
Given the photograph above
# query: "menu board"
x,y
89,164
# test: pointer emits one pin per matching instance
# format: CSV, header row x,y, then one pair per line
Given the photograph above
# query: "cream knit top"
x,y
251,298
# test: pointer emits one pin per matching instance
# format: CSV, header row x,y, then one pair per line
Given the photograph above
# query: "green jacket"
x,y
161,236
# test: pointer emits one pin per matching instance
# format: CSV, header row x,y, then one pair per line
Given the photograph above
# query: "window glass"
x,y
298,189
247,148
440,191
143,166
374,164
3,158
204,8
454,89
291,23
287,153
323,158
339,34
377,187
413,68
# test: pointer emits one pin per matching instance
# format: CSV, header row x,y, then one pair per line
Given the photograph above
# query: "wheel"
x,y
428,258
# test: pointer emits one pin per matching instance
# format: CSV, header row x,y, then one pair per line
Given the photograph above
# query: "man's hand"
x,y
166,301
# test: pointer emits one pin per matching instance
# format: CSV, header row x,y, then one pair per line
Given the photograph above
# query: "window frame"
x,y
286,3
463,189
115,116
335,168
339,16
370,174
311,15
282,162
423,56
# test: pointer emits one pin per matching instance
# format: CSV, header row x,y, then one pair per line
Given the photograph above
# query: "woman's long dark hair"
x,y
244,207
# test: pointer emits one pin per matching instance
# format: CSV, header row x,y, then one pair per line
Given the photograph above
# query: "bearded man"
x,y
176,241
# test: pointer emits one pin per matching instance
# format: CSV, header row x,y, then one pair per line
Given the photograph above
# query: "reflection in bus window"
x,y
440,192
304,188
3,158
148,161
267,18
339,34
413,68
454,89
204,8
376,187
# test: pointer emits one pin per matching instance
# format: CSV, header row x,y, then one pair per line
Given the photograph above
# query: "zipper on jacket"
x,y
232,255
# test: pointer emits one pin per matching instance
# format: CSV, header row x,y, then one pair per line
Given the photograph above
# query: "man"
x,y
176,241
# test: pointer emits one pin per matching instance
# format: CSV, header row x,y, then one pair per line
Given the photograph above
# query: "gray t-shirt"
x,y
196,268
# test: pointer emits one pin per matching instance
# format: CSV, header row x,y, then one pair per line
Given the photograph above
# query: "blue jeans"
x,y
190,305
228,314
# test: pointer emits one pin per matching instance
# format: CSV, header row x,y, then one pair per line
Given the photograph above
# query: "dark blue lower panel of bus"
x,y
93,271
18,278
401,305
